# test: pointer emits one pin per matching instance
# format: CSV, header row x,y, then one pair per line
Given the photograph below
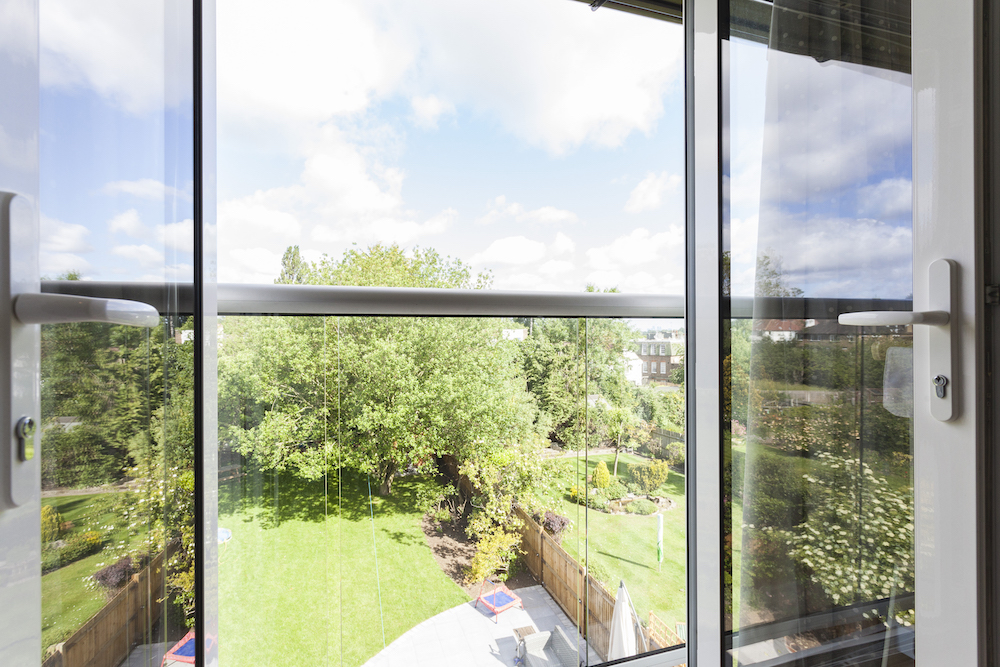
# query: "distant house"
x,y
657,355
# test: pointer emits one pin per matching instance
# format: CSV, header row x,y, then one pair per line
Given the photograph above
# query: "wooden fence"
x,y
587,602
123,623
660,635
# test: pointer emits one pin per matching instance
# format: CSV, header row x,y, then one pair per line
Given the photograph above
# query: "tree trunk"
x,y
385,487
617,449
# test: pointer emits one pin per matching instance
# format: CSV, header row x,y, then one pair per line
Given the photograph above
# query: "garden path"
x,y
466,636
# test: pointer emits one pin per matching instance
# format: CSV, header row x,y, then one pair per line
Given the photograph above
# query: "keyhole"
x,y
940,382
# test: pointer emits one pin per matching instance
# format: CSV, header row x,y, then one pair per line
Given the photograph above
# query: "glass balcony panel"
x,y
116,174
405,488
117,484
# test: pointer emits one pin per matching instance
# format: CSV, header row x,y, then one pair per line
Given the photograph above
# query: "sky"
x,y
536,140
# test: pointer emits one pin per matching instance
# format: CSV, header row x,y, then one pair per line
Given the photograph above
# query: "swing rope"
x,y
371,513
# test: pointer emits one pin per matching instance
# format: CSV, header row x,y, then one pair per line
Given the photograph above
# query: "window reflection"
x,y
818,551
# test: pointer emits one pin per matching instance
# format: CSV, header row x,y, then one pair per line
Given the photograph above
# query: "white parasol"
x,y
622,643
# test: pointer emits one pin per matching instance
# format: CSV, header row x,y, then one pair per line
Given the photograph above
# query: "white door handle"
x,y
893,318
941,275
63,308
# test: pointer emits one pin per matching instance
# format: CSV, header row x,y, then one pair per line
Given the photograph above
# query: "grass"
x,y
623,546
298,583
67,601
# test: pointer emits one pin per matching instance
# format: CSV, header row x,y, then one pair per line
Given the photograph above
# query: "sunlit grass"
x,y
298,583
623,546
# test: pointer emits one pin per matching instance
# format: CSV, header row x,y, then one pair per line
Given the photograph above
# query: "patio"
x,y
466,636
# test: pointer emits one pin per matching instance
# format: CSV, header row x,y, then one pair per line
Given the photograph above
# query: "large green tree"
x,y
381,394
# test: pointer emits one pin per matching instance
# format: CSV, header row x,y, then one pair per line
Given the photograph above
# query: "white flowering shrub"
x,y
857,536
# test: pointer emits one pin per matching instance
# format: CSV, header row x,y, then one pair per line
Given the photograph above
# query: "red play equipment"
x,y
500,599
183,651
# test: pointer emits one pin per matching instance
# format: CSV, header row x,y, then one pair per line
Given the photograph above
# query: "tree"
x,y
397,392
294,269
624,427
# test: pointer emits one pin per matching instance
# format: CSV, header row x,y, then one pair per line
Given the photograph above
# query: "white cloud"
x,y
128,222
743,260
428,109
117,49
639,247
549,74
320,60
61,244
554,74
59,236
510,250
177,235
143,254
557,267
563,245
648,194
889,199
841,257
837,130
250,265
145,188
500,210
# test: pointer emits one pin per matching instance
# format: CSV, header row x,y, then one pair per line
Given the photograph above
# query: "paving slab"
x,y
468,636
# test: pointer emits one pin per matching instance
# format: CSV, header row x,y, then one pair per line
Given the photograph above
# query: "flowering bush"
x,y
857,538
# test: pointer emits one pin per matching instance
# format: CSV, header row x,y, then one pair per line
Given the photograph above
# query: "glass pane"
x,y
818,551
117,402
538,141
398,489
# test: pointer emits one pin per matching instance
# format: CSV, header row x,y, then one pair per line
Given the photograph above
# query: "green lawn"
x,y
298,583
623,545
67,601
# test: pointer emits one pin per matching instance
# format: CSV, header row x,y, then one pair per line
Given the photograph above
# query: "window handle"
x,y
64,308
940,297
891,318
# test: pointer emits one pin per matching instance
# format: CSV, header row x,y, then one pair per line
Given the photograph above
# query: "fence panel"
x,y
586,601
107,638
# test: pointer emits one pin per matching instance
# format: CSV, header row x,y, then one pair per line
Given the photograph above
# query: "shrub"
x,y
641,506
615,490
633,488
115,575
554,524
597,501
51,522
82,545
649,476
598,571
494,552
77,547
601,476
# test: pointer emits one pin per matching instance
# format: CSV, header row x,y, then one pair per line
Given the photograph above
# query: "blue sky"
x,y
534,139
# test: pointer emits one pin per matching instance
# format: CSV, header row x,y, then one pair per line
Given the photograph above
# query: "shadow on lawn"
x,y
269,498
624,560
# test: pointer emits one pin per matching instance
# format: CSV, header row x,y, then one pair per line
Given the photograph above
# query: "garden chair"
x,y
549,649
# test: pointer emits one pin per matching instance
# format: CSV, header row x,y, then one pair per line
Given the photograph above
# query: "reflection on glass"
x,y
400,487
117,442
117,490
818,551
